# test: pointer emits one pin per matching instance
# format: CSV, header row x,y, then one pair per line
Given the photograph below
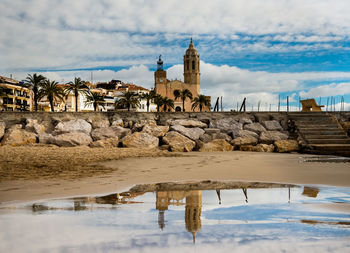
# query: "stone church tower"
x,y
166,88
191,69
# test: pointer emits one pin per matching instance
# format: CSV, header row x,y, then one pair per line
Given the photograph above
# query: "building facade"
x,y
13,96
166,88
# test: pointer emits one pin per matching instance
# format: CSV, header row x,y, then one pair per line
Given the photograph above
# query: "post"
x,y
279,102
327,104
258,106
299,103
243,105
287,103
221,104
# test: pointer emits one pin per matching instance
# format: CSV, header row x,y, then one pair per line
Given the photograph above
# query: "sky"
x,y
261,50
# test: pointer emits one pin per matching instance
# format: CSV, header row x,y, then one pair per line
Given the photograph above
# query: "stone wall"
x,y
207,131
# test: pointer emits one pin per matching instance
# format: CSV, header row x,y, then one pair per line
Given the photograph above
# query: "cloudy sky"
x,y
249,48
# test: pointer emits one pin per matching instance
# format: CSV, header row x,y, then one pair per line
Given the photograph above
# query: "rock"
x,y
226,125
109,132
139,125
247,140
121,132
178,142
18,137
140,140
222,136
272,125
101,123
270,137
245,121
212,130
32,125
45,138
249,148
156,131
206,138
2,129
192,133
106,143
117,122
77,125
188,123
284,146
243,133
15,127
263,148
71,139
164,147
255,127
216,145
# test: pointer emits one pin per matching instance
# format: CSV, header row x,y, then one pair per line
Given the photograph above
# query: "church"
x,y
166,88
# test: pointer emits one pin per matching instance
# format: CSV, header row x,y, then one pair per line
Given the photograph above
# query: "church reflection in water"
x,y
193,208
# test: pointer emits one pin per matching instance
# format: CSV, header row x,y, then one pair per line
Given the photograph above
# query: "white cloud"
x,y
333,89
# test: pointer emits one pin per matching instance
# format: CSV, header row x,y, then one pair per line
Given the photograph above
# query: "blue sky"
x,y
254,49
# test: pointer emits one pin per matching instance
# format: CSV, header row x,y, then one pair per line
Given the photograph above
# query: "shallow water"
x,y
283,219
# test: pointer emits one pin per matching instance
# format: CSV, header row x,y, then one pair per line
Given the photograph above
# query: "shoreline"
x,y
121,175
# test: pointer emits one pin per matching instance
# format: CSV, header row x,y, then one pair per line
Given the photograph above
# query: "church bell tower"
x,y
191,68
160,78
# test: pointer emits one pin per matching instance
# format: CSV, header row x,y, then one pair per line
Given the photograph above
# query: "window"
x,y
187,64
193,65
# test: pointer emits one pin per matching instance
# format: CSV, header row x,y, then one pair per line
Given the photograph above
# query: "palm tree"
x,y
128,99
200,101
148,96
52,91
94,98
167,102
35,82
158,100
78,86
183,95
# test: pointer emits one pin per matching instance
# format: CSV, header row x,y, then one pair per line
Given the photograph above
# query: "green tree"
x,y
34,82
95,99
158,100
128,99
52,91
183,94
200,102
148,96
167,103
78,86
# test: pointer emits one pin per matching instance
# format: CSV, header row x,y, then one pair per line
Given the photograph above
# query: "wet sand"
x,y
86,171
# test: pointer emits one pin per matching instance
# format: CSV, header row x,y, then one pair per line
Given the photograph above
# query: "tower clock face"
x,y
161,80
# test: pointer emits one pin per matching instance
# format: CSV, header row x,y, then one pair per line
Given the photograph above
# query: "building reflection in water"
x,y
193,208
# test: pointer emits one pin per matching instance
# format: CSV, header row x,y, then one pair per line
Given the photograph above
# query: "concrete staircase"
x,y
321,133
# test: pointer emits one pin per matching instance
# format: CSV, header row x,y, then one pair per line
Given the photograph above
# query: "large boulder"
x,y
272,125
263,148
2,129
178,142
138,126
109,132
226,125
206,138
246,140
156,131
32,125
221,136
255,127
284,146
71,139
106,143
188,123
100,123
45,138
76,125
270,137
140,140
18,137
245,121
243,133
216,145
117,122
192,133
212,130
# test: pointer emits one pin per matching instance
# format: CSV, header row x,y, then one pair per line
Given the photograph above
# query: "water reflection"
x,y
160,218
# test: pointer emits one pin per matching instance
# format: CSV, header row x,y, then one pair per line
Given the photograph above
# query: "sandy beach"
x,y
33,173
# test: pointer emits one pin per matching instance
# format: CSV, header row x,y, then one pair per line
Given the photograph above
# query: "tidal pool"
x,y
245,218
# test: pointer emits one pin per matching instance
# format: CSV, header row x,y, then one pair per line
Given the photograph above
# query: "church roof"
x,y
191,49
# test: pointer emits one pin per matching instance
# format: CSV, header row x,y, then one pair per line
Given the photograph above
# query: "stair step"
x,y
314,127
325,152
328,141
331,147
340,137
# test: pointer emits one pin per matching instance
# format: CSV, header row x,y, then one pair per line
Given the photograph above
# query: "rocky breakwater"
x,y
237,132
